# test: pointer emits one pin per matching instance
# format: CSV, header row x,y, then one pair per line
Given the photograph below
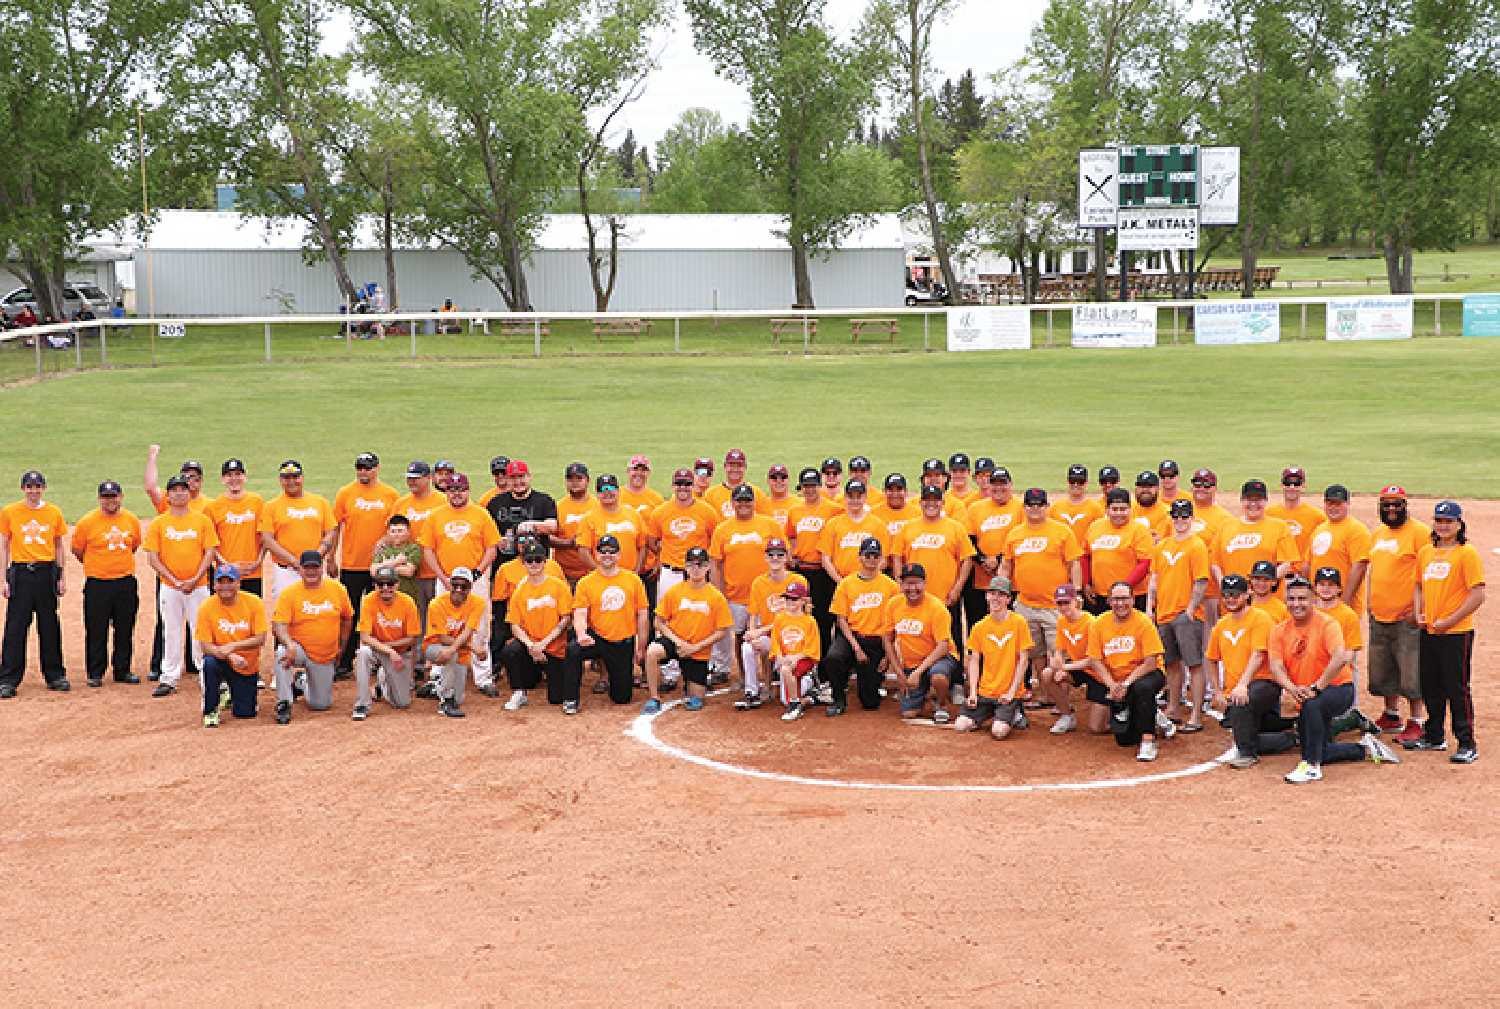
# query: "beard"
x,y
1393,518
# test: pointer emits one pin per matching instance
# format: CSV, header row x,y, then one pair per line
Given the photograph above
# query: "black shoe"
x,y
154,675
283,712
836,709
427,690
490,690
127,678
6,690
1426,744
343,674
164,690
96,681
61,685
450,709
1465,755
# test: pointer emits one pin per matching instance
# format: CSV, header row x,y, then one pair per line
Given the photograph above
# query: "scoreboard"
x,y
1159,176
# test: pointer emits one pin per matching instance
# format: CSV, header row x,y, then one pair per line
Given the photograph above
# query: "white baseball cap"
x,y
463,573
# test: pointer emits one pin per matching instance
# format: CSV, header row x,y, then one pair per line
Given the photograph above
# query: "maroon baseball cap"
x,y
734,455
775,543
1206,476
1293,475
796,590
703,462
458,481
681,473
1064,593
778,472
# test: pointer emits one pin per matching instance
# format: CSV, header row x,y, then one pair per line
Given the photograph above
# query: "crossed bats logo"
x,y
1096,189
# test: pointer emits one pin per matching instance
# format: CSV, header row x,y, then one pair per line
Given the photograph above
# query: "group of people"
x,y
965,601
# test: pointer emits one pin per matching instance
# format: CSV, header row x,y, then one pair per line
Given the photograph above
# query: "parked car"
x,y
75,296
936,295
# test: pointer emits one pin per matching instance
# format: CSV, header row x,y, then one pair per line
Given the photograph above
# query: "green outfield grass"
x,y
1422,412
1466,270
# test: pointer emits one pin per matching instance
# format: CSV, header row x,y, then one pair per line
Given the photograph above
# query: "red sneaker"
x,y
1412,732
1388,721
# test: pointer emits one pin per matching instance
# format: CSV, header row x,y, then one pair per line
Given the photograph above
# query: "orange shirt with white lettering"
x,y
1041,556
897,519
1240,544
1124,644
224,625
719,497
238,526
1077,515
460,536
33,532
1150,518
313,616
990,524
1073,636
796,634
862,602
693,613
108,542
624,524
1176,565
940,546
444,619
681,528
1448,573
643,502
739,546
1306,651
570,516
362,509
417,510
1393,568
181,542
842,537
765,596
1115,551
1340,545
612,603
297,524
537,609
387,622
513,572
1000,645
1235,639
918,628
804,527
1300,522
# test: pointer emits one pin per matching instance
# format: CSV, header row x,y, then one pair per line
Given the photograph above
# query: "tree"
x,y
694,128
625,158
717,176
806,90
961,109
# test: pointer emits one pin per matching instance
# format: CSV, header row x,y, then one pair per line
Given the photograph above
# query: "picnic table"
x,y
858,327
781,327
621,327
525,327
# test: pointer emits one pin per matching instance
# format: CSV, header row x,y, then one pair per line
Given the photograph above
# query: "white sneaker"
x,y
1065,724
1230,754
1147,752
1304,772
670,682
1165,726
1377,752
517,701
793,712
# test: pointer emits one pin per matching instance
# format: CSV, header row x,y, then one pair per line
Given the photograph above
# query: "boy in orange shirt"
x,y
795,651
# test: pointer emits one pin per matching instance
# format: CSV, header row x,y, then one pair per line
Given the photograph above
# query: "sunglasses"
x,y
607,551
682,483
385,585
779,476
775,553
1291,483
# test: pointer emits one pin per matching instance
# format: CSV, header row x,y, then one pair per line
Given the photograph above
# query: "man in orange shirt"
x,y
1149,509
859,605
192,471
1300,517
1341,542
611,518
610,614
691,617
31,544
779,498
572,508
898,509
959,470
1069,666
360,510
1395,637
293,523
943,548
105,541
389,631
919,647
461,534
312,619
833,476
540,609
843,534
805,520
703,476
502,480
1039,555
1118,550
638,496
1179,581
455,636
738,550
180,547
1125,657
766,594
419,502
859,469
231,629
1171,475
1258,536
676,526
1449,591
990,521
721,495
1079,509
1237,645
236,518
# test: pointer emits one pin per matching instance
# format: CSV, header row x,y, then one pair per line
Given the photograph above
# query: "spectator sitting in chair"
x,y
25,318
445,326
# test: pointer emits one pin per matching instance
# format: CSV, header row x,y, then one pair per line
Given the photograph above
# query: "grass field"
x,y
1421,412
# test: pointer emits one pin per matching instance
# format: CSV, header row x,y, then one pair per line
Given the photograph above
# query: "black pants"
x,y
357,583
956,628
1259,726
500,630
820,588
156,639
525,673
619,662
33,593
975,607
840,662
242,689
254,587
106,602
1140,703
1445,673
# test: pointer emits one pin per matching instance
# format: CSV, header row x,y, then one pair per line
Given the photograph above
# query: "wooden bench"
x,y
890,327
524,327
621,327
793,327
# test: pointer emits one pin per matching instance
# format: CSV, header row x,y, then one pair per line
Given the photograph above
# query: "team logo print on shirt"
x,y
1294,526
302,513
457,531
1001,642
34,532
867,601
612,528
996,522
1436,571
810,524
1233,637
312,609
1244,541
238,518
1384,547
539,602
1073,639
1120,644
791,637
929,541
694,606
455,625
738,538
1032,545
116,539
683,527
382,621
612,599
1110,541
1172,558
414,514
227,626
852,540
1321,543
368,504
179,535
910,627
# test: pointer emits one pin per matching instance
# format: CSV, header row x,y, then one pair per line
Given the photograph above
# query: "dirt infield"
x,y
517,859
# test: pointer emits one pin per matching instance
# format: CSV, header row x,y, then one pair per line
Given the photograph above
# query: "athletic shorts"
x,y
1182,640
693,670
1395,659
1093,691
1042,621
987,708
912,700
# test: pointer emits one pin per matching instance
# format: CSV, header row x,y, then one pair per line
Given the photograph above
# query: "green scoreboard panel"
x,y
1159,176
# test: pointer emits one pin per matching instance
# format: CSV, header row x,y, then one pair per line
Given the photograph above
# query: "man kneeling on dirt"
x,y
918,636
998,653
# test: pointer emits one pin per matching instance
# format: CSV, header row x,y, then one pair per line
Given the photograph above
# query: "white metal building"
x,y
211,263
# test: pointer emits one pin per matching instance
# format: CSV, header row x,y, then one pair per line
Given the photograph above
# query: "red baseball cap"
x,y
1393,490
778,471
734,455
703,462
1206,476
775,543
517,468
1293,473
681,473
639,462
458,481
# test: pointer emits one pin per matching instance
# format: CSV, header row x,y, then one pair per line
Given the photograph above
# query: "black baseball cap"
x,y
934,466
1336,492
1078,474
1253,488
860,462
498,464
1168,467
1231,585
1034,496
958,461
1109,474
576,469
1263,569
1182,508
931,492
191,466
534,551
177,480
110,488
418,468
232,466
696,555
33,478
832,464
310,559
1328,575
366,460
607,481
444,464
607,542
744,492
913,571
1117,495
1147,478
870,546
855,487
808,477
1000,475
894,481
289,467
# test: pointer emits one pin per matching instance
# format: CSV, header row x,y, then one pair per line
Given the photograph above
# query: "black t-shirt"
x,y
509,511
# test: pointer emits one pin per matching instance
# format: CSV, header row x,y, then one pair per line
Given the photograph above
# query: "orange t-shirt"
x,y
444,619
1306,651
1073,636
862,602
1272,605
1177,564
990,524
1115,552
1348,621
570,516
739,545
680,528
765,596
953,506
1240,544
1339,545
1300,522
693,613
1151,518
917,629
460,536
313,616
1448,573
1393,569
108,542
780,509
537,609
362,510
1040,558
33,532
624,524
181,541
238,526
718,496
297,524
842,537
387,623
1124,644
940,547
897,519
513,572
1077,515
1235,639
612,603
796,634
1000,644
224,625
643,502
804,528
417,510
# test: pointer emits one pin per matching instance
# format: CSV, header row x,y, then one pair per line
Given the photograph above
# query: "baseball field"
x,y
725,858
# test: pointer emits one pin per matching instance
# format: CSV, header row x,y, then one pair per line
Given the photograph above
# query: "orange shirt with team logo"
x,y
804,527
1077,515
33,532
739,545
238,524
780,509
624,524
1073,636
612,602
180,542
1448,573
843,535
299,523
313,616
513,572
444,619
387,622
918,628
224,625
1272,605
680,528
1300,522
362,509
537,609
940,546
1393,568
1235,639
1177,564
1000,645
1115,551
1240,544
990,524
643,502
693,613
718,496
570,516
765,596
1040,557
460,536
1124,644
1306,651
1339,545
896,519
862,602
417,510
108,543
796,634
1151,518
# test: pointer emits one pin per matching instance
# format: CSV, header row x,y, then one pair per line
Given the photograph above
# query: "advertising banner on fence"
x,y
1098,188
989,328
1220,322
1375,318
1143,229
1482,315
1112,326
1219,185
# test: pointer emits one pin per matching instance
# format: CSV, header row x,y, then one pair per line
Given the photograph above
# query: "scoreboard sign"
x,y
1159,176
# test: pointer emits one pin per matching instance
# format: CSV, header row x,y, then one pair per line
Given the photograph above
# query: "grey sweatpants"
x,y
450,677
397,682
319,695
